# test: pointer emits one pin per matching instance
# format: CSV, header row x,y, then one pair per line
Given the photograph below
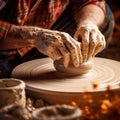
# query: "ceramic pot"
x,y
12,91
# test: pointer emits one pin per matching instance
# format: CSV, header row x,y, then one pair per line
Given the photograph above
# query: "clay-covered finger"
x,y
74,54
85,45
103,41
80,53
68,40
78,45
76,35
65,53
100,46
92,45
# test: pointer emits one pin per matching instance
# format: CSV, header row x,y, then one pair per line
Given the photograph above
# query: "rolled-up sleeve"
x,y
77,4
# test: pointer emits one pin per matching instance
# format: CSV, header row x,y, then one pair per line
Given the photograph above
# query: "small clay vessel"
x,y
12,91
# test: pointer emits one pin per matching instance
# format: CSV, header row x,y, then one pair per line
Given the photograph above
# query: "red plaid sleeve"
x,y
4,27
45,13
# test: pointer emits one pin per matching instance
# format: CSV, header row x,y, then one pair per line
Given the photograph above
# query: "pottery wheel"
x,y
41,77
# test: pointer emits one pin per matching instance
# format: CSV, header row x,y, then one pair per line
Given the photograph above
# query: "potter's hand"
x,y
58,45
92,40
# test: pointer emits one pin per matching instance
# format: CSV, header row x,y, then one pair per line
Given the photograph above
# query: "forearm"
x,y
18,37
91,13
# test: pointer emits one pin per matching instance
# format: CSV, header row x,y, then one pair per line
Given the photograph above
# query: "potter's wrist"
x,y
26,34
86,23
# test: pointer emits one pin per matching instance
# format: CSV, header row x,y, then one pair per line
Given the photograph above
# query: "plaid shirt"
x,y
43,13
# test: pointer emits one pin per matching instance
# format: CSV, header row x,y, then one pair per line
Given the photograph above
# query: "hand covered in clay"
x,y
58,45
91,39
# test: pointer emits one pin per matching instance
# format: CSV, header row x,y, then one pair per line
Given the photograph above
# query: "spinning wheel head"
x,y
82,69
42,80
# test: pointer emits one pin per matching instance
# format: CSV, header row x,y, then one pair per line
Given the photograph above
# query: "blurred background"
x,y
113,51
